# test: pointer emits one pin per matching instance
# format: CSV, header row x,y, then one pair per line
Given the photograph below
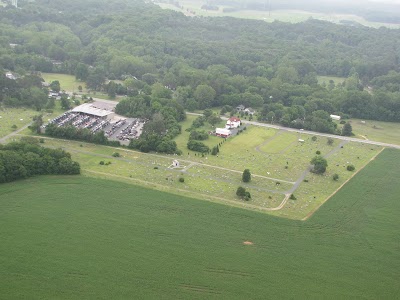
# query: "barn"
x,y
223,132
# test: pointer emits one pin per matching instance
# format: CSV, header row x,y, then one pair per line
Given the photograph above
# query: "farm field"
x,y
81,237
278,162
386,132
291,16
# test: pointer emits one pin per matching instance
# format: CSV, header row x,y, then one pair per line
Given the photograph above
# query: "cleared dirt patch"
x,y
248,243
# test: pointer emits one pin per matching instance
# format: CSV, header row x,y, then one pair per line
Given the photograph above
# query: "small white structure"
x,y
175,164
223,132
301,141
10,75
335,117
233,122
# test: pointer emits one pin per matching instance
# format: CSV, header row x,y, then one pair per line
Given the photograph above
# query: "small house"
x,y
233,122
240,108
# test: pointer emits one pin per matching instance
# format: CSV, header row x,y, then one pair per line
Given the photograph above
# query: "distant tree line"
x,y
166,59
20,160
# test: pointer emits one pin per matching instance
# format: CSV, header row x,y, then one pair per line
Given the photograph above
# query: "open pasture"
x,y
386,132
14,116
23,116
67,82
86,238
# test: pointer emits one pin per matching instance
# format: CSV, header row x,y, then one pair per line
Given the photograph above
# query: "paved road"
x,y
345,138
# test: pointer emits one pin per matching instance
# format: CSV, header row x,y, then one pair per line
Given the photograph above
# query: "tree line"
x,y
24,159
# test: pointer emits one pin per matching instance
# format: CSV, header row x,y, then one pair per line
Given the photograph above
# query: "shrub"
x,y
351,168
116,154
292,197
318,152
14,127
314,138
330,141
241,192
155,168
335,177
41,140
101,163
181,179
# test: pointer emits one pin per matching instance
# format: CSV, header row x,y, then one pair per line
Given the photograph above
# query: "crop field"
x,y
279,164
386,132
80,237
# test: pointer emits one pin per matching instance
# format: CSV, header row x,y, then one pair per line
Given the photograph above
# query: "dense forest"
x,y
24,159
208,62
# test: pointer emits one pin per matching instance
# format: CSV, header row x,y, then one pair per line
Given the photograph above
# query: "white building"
x,y
335,117
233,122
223,132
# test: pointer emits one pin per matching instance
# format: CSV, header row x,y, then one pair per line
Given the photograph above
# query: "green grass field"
x,y
276,160
67,82
385,132
85,238
21,117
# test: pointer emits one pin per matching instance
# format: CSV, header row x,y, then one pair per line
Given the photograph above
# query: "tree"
x,y
55,86
335,177
37,123
320,164
213,119
65,103
81,72
330,141
204,95
347,129
246,177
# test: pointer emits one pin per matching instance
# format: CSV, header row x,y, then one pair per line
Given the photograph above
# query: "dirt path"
x,y
3,139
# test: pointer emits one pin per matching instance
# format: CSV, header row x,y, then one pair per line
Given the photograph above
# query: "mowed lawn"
x,y
85,238
67,82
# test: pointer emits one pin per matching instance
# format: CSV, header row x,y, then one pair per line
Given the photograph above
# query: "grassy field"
x,y
85,238
385,132
275,158
292,16
67,82
21,117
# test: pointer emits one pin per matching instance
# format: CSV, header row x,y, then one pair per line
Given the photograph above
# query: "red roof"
x,y
234,119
